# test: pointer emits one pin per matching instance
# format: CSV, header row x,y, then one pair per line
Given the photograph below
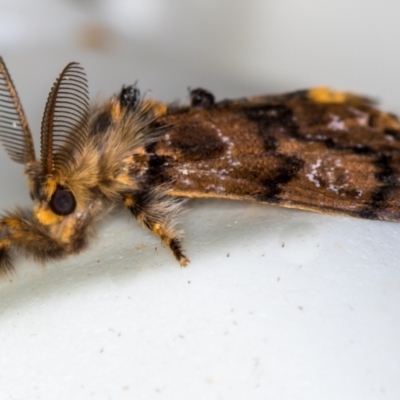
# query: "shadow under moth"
x,y
313,149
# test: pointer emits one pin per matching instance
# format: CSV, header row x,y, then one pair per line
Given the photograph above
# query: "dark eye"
x,y
62,202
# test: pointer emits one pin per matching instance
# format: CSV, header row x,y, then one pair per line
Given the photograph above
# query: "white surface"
x,y
276,304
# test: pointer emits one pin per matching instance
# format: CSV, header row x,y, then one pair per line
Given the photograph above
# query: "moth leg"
x,y
6,265
159,214
21,232
26,235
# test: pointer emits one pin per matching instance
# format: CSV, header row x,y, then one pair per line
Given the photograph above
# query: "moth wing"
x,y
327,157
14,129
322,95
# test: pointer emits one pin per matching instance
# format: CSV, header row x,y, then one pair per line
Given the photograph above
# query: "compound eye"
x,y
62,202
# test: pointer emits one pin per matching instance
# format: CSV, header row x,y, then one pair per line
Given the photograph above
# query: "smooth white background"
x,y
276,303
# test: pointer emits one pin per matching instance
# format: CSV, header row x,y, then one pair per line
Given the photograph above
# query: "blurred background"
x,y
231,45
234,47
278,304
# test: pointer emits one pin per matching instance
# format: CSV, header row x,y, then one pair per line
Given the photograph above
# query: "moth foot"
x,y
183,261
175,246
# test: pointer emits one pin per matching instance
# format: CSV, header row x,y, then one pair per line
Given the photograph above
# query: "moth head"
x,y
64,132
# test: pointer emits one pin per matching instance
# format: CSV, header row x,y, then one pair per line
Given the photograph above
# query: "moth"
x,y
314,149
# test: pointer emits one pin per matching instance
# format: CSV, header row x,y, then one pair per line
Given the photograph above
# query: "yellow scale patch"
x,y
46,216
326,95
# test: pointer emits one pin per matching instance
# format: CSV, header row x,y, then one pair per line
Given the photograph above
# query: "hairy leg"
x,y
159,213
21,232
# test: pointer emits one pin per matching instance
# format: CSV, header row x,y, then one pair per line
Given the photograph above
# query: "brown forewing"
x,y
287,150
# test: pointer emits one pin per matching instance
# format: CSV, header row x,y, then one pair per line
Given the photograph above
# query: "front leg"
x,y
6,264
159,213
22,232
